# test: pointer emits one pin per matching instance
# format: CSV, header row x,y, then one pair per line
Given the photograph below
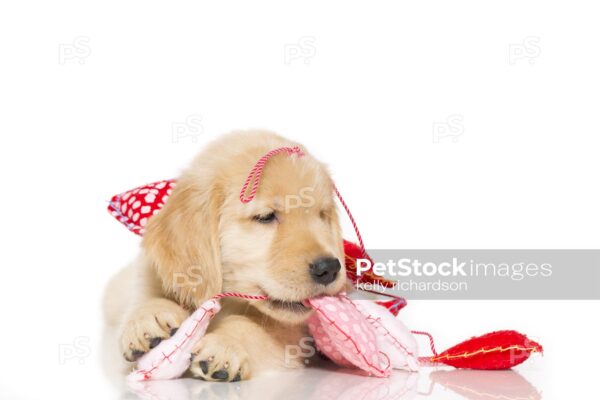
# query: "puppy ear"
x,y
182,241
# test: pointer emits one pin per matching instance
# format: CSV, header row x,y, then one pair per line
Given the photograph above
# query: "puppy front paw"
x,y
148,325
219,358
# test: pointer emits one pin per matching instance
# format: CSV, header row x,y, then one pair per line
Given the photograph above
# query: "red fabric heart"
x,y
496,350
133,207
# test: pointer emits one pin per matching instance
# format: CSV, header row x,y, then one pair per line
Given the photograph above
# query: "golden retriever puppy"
x,y
285,243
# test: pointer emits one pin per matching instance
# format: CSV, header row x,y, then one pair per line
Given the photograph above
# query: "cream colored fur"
x,y
205,241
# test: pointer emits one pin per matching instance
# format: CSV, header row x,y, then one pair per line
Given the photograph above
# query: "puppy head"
x,y
285,243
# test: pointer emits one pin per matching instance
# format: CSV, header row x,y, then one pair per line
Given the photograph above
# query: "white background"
x,y
367,96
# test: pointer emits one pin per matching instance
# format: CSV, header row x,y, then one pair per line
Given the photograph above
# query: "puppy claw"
x,y
155,341
219,358
220,375
203,366
133,355
151,324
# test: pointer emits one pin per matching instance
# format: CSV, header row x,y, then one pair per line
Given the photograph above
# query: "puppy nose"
x,y
324,270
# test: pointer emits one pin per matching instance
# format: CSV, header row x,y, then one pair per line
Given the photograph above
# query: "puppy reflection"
x,y
476,385
290,385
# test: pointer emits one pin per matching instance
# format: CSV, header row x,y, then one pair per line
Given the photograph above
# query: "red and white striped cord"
x,y
240,295
255,176
354,224
427,360
256,172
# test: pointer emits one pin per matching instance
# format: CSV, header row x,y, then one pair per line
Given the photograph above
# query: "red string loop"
x,y
255,176
241,296
256,172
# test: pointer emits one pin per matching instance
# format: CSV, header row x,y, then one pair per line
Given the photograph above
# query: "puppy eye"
x,y
323,214
265,218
